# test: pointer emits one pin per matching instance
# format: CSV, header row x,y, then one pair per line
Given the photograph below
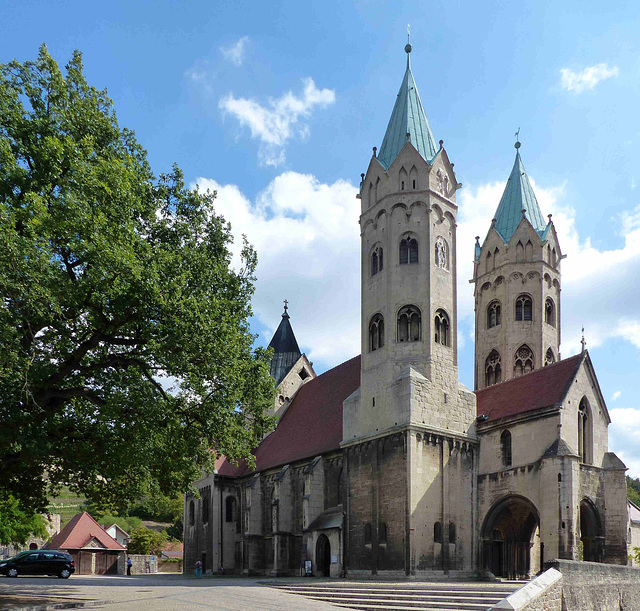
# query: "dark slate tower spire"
x,y
285,348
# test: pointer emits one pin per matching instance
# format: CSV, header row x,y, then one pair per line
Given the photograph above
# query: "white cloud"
x,y
624,435
307,239
586,79
278,121
616,395
235,52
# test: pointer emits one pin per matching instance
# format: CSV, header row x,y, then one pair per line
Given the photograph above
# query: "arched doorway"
x,y
33,546
590,532
323,556
508,538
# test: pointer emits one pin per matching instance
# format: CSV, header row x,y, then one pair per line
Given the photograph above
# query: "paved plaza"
x,y
157,592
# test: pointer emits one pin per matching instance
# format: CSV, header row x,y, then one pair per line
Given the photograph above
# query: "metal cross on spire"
x,y
286,306
582,341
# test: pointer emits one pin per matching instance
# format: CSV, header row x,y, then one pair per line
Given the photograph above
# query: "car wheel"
x,y
12,572
64,574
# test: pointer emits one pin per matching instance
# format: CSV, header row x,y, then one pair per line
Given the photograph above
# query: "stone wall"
x,y
544,593
591,586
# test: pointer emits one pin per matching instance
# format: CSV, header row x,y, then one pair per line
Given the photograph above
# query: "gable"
x,y
545,387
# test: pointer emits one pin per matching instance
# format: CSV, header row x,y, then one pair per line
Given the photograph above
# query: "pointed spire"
x,y
518,201
285,348
408,117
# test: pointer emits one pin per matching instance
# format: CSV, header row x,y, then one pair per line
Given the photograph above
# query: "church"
x,y
386,465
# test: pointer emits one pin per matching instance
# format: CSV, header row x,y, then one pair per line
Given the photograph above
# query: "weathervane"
x,y
408,33
517,135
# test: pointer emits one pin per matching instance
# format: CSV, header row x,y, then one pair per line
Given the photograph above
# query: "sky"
x,y
277,105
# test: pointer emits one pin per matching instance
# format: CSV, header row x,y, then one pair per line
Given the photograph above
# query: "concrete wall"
x,y
590,586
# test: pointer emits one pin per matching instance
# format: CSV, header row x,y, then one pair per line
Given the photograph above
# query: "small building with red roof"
x,y
93,550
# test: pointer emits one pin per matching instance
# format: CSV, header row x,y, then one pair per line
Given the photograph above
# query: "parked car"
x,y
39,562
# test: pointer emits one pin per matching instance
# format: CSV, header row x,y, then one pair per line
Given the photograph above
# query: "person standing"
x,y
198,569
129,565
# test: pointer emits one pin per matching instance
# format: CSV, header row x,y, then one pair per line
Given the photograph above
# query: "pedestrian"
x,y
129,565
198,569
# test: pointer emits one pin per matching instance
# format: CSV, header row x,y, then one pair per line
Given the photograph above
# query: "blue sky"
x,y
278,104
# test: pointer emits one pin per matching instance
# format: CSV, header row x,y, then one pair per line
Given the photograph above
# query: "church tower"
x,y
408,259
517,287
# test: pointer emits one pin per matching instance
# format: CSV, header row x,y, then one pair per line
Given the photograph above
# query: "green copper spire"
x,y
518,196
408,117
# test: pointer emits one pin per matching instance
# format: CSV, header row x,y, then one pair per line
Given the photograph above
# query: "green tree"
x,y
633,491
146,541
17,524
127,363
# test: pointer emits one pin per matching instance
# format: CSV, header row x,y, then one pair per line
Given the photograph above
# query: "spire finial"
x,y
583,342
407,47
517,135
286,307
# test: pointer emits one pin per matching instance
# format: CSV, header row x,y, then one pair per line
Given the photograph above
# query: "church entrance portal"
x,y
590,532
508,539
323,556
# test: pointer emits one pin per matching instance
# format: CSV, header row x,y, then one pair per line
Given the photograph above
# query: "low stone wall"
x,y
544,593
169,566
142,563
591,586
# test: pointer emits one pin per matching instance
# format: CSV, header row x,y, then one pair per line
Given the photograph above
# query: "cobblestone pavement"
x,y
153,592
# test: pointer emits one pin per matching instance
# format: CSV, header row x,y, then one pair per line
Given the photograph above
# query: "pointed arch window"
x,y
377,260
585,440
376,333
505,448
231,509
441,325
494,314
192,513
524,308
523,362
529,251
408,250
549,358
442,253
493,369
437,532
550,312
409,324
489,260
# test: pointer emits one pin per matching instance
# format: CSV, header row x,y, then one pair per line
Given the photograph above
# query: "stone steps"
x,y
406,597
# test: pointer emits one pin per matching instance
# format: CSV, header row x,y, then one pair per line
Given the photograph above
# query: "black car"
x,y
39,562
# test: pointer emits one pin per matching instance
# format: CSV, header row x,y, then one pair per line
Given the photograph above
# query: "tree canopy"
x,y
127,363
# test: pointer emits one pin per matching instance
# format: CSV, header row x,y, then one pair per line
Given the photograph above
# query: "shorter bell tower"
x,y
517,287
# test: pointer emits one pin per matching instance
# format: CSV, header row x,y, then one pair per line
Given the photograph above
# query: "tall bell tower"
x,y
408,262
517,287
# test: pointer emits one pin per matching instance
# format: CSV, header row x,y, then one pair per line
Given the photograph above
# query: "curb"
x,y
70,605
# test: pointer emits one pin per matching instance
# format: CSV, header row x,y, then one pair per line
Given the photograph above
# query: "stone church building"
x,y
386,465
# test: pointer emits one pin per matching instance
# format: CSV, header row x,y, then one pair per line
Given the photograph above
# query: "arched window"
x,y
550,312
523,362
505,448
529,251
585,440
192,513
376,333
441,325
205,508
437,532
382,533
442,253
524,308
367,534
452,532
519,252
492,369
408,250
553,260
377,260
494,314
230,509
489,261
549,358
409,323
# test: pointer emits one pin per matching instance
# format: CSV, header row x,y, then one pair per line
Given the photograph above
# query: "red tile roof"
x,y
311,425
541,388
79,532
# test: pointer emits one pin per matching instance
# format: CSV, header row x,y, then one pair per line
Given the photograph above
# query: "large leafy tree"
x,y
126,361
